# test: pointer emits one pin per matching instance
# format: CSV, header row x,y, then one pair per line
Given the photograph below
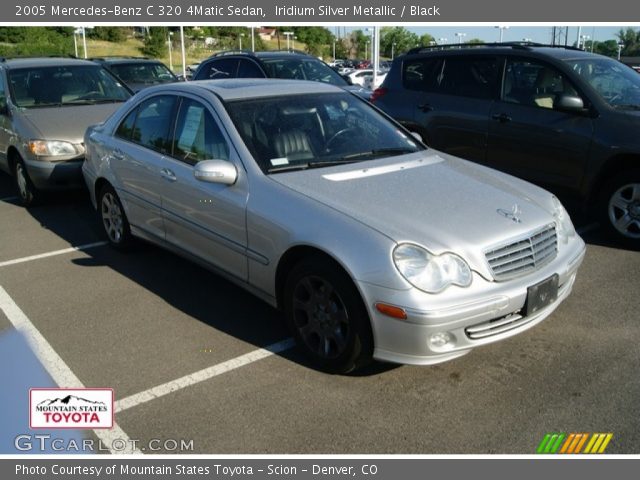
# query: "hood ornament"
x,y
514,214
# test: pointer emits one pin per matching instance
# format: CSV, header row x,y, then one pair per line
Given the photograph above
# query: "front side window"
x,y
617,84
315,130
534,84
249,69
61,86
197,136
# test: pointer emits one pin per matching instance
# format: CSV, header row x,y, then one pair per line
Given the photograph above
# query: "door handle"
x,y
118,154
168,175
501,117
425,107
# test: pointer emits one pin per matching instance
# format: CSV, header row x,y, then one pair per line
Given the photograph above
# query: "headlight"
x,y
431,273
53,148
563,221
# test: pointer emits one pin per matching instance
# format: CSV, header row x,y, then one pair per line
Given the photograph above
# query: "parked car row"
x,y
304,194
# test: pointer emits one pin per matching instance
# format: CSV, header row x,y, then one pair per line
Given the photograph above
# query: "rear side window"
x,y
474,76
153,123
125,129
218,69
249,69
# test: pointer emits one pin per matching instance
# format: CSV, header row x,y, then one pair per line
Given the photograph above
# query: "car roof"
x,y
559,51
124,60
32,62
241,88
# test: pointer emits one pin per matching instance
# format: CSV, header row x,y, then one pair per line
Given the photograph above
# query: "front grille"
x,y
496,326
523,255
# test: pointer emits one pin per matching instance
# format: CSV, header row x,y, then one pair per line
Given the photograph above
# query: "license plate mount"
x,y
541,295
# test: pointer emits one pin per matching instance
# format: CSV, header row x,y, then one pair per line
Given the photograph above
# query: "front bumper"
x,y
495,309
55,175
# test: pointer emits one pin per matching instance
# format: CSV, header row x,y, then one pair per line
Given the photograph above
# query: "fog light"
x,y
441,341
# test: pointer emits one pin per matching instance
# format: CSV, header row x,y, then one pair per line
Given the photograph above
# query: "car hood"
x,y
440,202
68,123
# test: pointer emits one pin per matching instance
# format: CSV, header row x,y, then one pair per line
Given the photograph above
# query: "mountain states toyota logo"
x,y
81,408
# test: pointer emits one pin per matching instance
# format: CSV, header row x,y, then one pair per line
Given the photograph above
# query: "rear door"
x,y
529,136
140,143
452,100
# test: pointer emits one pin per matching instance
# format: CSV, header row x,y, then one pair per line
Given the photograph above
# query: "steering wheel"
x,y
336,136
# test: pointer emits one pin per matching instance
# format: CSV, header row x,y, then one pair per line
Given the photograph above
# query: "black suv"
x,y
289,64
138,72
557,116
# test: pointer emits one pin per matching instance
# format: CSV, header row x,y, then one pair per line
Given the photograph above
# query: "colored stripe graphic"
x,y
573,443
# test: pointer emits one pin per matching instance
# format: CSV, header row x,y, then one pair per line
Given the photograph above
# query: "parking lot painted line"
x,y
60,372
202,375
587,228
54,253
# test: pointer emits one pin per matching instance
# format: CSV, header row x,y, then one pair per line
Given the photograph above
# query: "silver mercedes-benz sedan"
x,y
373,245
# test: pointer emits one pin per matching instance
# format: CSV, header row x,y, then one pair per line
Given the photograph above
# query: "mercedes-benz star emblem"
x,y
514,214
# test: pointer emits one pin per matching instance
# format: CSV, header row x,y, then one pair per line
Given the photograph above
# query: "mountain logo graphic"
x,y
78,408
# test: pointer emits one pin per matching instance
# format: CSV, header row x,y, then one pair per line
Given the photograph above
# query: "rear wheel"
x,y
114,219
620,206
326,315
26,191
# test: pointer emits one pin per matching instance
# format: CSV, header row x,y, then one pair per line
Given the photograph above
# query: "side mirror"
x,y
417,136
4,109
569,103
216,171
347,79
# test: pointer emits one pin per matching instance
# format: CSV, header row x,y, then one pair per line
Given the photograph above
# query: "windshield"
x,y
316,130
616,83
302,69
145,73
68,85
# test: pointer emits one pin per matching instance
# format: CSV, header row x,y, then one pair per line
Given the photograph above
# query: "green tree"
x,y
426,40
109,34
475,41
398,39
631,40
357,42
316,38
155,42
31,41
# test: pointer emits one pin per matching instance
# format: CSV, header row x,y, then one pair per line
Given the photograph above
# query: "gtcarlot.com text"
x,y
45,442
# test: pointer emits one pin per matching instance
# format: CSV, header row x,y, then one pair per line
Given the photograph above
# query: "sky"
x,y
514,33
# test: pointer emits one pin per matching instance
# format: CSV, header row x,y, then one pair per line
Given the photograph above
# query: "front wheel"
x,y
326,315
620,206
26,191
114,220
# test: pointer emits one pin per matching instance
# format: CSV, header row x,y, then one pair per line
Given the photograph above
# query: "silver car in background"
x,y
46,105
372,245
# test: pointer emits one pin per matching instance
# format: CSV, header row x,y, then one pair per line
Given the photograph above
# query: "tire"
x,y
27,193
114,219
619,207
327,317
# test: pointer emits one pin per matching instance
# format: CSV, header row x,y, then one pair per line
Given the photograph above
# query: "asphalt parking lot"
x,y
184,351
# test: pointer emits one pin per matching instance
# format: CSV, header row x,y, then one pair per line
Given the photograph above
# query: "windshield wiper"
x,y
379,152
309,165
628,106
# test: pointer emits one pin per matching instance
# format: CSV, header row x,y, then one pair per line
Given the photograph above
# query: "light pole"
x,y
584,39
75,40
502,29
393,49
460,35
170,52
334,51
240,38
184,55
253,40
288,34
293,42
620,46
442,41
366,51
84,42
